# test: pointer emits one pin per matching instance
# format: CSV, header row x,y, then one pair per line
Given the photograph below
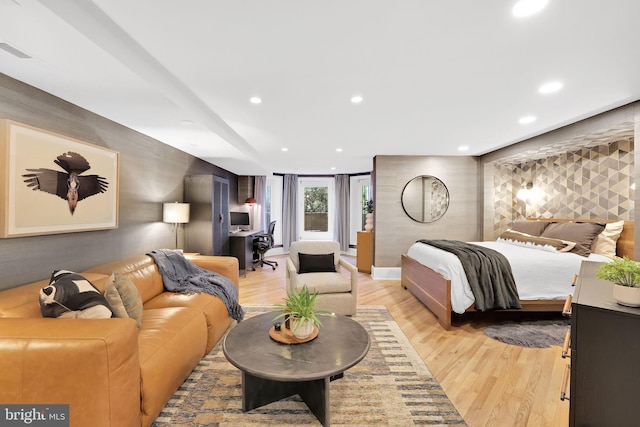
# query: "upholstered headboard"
x,y
625,245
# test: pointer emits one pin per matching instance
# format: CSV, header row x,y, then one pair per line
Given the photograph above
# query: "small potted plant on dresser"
x,y
299,312
624,273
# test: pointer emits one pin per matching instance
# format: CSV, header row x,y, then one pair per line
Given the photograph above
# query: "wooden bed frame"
x,y
434,291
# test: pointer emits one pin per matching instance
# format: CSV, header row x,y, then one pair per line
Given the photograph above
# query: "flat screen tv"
x,y
239,219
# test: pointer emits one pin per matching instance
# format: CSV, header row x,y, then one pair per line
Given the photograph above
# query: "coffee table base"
x,y
257,392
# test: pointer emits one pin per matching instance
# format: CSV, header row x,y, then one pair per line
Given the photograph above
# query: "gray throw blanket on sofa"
x,y
181,275
488,272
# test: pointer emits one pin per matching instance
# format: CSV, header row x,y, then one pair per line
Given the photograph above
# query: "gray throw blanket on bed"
x,y
181,275
488,272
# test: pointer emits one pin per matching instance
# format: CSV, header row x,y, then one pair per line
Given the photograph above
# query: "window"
x,y
316,208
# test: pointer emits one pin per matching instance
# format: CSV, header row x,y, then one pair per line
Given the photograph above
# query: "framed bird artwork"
x,y
55,184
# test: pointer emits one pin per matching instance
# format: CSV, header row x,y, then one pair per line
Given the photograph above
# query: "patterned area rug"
x,y
391,386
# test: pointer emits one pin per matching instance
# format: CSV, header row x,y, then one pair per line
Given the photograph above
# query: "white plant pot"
x,y
301,329
368,225
626,295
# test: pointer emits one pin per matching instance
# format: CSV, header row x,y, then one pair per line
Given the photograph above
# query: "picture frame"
x,y
54,184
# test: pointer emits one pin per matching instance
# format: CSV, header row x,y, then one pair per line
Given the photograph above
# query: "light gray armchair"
x,y
338,293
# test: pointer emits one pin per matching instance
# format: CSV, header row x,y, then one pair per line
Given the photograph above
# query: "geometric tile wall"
x,y
590,183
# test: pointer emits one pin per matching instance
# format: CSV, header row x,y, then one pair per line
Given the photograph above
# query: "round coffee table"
x,y
272,371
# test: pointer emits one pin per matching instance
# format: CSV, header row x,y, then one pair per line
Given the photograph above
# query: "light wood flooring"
x,y
489,382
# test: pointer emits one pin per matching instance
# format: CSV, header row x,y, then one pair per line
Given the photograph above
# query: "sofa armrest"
x,y
353,273
226,265
292,276
90,364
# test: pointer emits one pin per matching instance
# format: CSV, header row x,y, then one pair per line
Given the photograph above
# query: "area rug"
x,y
538,333
391,386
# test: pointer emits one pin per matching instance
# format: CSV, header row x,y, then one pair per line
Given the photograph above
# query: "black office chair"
x,y
261,244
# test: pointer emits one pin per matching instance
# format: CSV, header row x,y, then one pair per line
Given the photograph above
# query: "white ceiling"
x,y
435,75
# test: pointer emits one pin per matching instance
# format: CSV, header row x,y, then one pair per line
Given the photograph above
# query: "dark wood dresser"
x,y
605,355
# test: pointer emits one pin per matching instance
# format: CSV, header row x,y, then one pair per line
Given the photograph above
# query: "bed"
x,y
432,284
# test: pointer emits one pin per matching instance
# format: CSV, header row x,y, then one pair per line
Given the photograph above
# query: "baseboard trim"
x,y
385,273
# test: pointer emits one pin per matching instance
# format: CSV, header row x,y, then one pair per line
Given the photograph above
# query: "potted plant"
x,y
299,309
624,273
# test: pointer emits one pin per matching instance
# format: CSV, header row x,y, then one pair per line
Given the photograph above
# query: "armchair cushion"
x,y
316,263
324,283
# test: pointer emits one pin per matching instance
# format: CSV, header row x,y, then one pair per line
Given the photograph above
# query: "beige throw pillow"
x,y
129,295
605,242
114,299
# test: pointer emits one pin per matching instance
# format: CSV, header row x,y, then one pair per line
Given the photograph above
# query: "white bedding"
x,y
538,274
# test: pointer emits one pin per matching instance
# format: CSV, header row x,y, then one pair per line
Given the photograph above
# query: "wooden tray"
x,y
285,336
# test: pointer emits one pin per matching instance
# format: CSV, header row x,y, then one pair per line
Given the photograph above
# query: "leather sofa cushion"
x,y
141,270
92,363
171,342
215,311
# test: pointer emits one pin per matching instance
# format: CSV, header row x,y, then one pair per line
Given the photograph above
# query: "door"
x,y
220,217
316,208
208,229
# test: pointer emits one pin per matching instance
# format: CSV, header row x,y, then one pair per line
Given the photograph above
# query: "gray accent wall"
x,y
394,231
150,173
585,170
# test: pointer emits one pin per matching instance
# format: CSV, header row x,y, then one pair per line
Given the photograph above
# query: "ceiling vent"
x,y
13,51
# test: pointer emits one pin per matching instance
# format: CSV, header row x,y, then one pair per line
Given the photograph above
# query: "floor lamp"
x,y
176,214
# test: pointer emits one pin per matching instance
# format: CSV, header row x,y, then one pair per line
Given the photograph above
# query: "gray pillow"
x,y
583,233
531,227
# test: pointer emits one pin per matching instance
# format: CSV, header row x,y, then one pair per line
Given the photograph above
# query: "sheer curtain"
x,y
260,193
289,211
341,228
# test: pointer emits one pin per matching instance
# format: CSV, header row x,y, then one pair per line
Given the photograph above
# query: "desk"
x,y
241,247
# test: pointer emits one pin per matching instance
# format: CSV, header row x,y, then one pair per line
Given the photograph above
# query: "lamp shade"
x,y
175,212
251,201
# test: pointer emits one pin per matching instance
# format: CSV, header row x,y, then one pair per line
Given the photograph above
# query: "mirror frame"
x,y
421,178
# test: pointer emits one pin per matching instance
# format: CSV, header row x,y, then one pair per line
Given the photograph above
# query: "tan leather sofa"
x,y
107,370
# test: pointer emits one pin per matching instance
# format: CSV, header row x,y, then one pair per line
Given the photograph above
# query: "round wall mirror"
x,y
425,198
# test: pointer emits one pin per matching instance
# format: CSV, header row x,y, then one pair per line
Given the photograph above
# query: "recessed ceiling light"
x,y
339,150
333,168
525,120
550,87
463,148
528,7
255,100
357,99
284,149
